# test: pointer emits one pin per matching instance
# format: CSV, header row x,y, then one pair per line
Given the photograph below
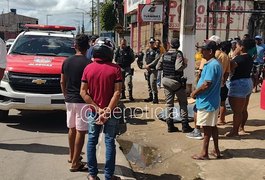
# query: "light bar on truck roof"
x,y
49,27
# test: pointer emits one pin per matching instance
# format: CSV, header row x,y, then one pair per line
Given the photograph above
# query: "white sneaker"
x,y
195,134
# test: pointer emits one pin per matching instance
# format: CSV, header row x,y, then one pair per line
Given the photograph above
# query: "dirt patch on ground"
x,y
145,131
167,156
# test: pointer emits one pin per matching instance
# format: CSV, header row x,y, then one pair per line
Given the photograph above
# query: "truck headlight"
x,y
5,77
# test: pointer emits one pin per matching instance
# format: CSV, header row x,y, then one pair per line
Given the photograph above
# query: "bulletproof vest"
x,y
150,55
124,57
169,61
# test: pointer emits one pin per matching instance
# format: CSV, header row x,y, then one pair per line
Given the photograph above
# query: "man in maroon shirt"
x,y
100,89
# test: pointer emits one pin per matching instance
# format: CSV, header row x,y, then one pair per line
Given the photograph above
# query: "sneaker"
x,y
195,134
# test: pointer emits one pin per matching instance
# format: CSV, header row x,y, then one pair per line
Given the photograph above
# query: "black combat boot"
x,y
123,95
131,96
155,100
186,127
150,98
170,126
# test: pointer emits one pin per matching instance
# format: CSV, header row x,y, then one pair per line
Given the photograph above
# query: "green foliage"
x,y
107,16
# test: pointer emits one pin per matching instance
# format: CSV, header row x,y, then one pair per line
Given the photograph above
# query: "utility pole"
x,y
98,25
207,19
47,18
83,22
83,19
166,23
8,6
228,20
92,17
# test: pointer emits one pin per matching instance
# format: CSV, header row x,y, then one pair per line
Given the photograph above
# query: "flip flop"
x,y
88,177
198,157
80,168
80,159
221,123
229,134
214,154
115,178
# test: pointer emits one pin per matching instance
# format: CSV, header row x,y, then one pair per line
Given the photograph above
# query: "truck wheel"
x,y
3,115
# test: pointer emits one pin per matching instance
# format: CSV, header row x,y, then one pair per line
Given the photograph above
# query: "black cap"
x,y
209,45
152,40
174,43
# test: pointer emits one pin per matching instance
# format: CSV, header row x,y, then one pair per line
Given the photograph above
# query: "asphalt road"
x,y
34,146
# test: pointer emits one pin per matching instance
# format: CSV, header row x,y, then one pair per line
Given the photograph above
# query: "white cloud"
x,y
63,12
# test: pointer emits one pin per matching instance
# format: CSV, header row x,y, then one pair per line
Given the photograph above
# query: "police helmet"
x,y
103,49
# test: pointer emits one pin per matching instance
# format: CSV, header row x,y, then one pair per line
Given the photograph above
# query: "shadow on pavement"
x,y
255,122
142,176
39,121
36,148
138,121
256,134
254,153
127,172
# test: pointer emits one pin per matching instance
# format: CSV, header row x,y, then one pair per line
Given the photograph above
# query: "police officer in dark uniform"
x,y
151,58
124,57
172,63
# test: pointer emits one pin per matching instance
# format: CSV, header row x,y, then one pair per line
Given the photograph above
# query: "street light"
x,y
83,19
78,26
47,15
91,15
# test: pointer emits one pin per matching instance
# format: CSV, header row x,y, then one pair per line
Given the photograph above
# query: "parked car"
x,y
32,77
9,42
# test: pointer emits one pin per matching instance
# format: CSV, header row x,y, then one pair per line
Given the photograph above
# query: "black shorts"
x,y
224,92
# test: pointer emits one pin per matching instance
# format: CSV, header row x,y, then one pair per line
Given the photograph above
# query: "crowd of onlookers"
x,y
245,48
224,70
238,59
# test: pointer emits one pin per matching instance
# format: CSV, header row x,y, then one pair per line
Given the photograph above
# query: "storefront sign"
x,y
150,13
217,21
174,14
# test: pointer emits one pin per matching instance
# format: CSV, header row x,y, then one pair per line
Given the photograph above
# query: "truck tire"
x,y
4,115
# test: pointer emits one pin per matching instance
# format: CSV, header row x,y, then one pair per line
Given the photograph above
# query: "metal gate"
x,y
256,24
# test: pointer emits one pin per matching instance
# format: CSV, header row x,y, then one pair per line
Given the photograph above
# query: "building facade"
x,y
12,23
239,23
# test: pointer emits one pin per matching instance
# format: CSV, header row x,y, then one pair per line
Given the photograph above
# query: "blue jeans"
x,y
110,133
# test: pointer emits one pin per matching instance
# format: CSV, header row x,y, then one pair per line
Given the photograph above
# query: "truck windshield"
x,y
44,45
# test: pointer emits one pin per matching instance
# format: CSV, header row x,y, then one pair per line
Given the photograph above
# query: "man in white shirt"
x,y
2,58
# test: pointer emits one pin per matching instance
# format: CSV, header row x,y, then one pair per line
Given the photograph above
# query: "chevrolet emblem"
x,y
38,81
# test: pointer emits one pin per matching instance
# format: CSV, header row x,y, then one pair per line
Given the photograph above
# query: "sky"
x,y
60,12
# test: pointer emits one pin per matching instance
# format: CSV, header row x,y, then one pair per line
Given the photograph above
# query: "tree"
x,y
107,16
